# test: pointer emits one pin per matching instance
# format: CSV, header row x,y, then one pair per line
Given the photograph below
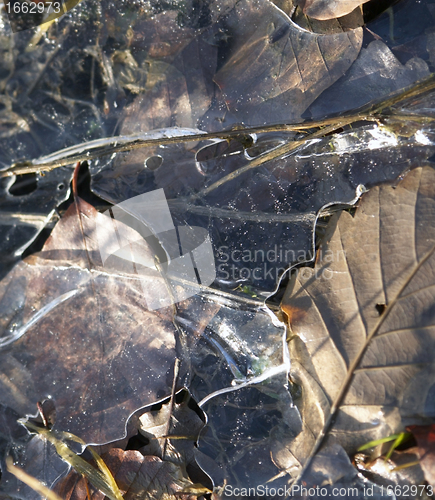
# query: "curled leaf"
x,y
329,9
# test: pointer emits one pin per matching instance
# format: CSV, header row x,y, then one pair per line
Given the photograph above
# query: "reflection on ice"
x,y
371,137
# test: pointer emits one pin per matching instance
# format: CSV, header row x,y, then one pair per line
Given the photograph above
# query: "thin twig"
x,y
171,405
93,149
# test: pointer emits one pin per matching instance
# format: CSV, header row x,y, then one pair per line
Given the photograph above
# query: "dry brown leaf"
x,y
425,436
83,335
363,322
329,9
176,93
277,69
139,477
184,425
